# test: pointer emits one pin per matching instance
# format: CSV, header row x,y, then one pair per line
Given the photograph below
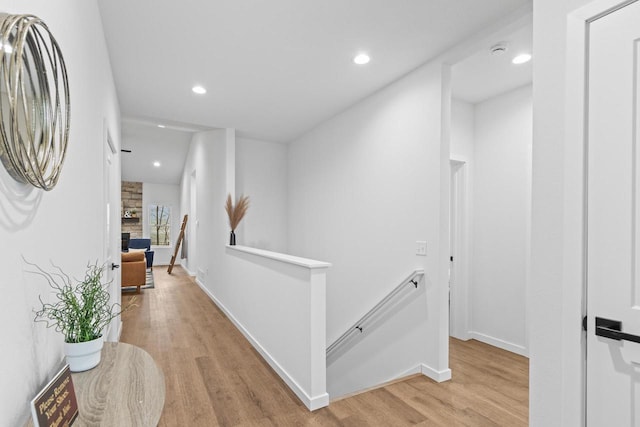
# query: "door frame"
x,y
459,238
192,225
574,260
112,226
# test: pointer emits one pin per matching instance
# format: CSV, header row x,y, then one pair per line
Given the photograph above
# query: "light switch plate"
x,y
421,247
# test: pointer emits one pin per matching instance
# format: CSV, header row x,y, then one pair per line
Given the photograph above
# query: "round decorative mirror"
x,y
34,101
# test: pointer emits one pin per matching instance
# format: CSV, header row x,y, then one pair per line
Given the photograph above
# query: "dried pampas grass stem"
x,y
237,212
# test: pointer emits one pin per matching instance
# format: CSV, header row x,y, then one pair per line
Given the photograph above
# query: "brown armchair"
x,y
134,269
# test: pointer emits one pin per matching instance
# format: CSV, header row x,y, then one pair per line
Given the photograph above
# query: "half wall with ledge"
x,y
278,302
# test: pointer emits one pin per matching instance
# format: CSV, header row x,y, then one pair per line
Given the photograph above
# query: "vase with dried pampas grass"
x,y
236,213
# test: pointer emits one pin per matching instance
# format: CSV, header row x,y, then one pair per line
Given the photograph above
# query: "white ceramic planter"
x,y
83,356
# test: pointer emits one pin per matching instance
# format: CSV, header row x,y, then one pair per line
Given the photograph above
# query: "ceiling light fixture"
x,y
199,90
156,164
161,126
521,59
361,59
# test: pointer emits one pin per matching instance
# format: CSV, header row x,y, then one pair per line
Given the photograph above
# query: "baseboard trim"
x,y
410,374
496,342
462,337
312,403
434,374
420,369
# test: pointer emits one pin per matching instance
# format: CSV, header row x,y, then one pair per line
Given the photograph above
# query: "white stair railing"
x,y
413,280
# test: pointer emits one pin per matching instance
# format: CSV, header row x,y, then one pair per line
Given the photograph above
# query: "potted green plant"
x,y
80,311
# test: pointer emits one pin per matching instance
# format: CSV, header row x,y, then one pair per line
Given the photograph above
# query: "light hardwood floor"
x,y
215,378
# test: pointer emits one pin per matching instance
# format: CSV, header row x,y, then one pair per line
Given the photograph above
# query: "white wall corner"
x,y
230,149
318,334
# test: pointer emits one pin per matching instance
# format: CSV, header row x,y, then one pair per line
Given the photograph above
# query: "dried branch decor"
x,y
237,212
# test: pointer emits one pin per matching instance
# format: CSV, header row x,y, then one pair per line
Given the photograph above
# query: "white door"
x,y
613,220
112,230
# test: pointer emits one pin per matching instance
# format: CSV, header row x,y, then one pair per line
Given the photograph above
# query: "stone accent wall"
x,y
132,200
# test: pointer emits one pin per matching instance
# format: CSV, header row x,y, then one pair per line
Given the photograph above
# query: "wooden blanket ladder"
x,y
180,239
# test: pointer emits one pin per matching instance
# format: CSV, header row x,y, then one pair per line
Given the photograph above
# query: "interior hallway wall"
x,y
207,157
462,130
66,225
261,174
501,219
494,138
363,188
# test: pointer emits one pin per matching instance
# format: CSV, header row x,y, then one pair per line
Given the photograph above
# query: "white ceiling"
x,y
149,144
275,70
485,75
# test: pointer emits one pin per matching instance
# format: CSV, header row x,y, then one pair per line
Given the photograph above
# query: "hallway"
x,y
214,377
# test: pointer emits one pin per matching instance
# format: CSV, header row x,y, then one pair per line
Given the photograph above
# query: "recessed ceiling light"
x,y
521,59
156,164
361,59
162,126
199,90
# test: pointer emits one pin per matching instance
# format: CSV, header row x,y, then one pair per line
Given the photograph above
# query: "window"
x,y
160,225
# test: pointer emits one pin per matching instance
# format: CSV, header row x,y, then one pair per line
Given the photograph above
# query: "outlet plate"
x,y
421,247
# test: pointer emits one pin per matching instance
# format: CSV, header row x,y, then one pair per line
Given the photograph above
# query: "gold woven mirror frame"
x,y
34,101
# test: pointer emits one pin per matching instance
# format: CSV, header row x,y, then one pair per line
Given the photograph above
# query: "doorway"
x,y
491,145
112,244
193,225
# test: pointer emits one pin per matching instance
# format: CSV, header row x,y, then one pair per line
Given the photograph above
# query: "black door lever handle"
x,y
613,329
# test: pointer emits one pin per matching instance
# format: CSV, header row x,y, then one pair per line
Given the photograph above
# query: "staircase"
x,y
384,344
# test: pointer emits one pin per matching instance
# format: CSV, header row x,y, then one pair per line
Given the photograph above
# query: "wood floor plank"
x,y
214,377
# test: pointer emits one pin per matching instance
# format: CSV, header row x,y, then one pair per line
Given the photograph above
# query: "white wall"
x,y
493,139
166,195
363,188
279,303
270,301
207,156
462,130
261,174
65,225
500,220
555,290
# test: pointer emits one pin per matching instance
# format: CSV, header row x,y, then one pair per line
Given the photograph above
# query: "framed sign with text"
x,y
56,404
